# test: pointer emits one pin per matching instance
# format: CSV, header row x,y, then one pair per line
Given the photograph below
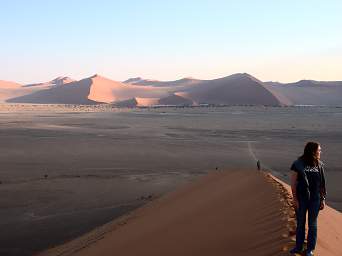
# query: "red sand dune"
x,y
184,82
224,213
105,90
175,99
92,90
61,80
71,93
9,90
13,92
237,89
308,92
8,85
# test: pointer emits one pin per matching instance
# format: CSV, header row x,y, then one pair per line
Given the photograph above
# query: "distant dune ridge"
x,y
308,92
55,82
236,89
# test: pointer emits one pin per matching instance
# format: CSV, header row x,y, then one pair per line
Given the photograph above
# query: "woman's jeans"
x,y
312,207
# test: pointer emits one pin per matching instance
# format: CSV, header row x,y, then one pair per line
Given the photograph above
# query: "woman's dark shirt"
x,y
313,175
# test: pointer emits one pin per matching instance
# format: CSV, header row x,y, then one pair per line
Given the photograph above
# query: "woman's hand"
x,y
322,204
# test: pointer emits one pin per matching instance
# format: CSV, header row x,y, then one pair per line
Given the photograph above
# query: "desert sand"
x,y
224,213
67,169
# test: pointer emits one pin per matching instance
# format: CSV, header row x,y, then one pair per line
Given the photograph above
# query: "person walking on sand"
x,y
309,192
258,165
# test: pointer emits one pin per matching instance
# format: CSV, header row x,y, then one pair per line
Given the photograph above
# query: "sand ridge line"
x,y
194,197
289,214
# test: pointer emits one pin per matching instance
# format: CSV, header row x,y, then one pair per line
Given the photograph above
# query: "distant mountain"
x,y
236,89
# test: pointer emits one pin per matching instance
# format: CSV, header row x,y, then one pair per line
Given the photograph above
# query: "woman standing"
x,y
308,190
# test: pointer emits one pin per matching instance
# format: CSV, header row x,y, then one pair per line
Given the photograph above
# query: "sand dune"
x,y
237,89
224,213
10,89
7,89
176,83
308,92
71,93
147,101
9,85
175,99
106,90
92,90
13,92
61,80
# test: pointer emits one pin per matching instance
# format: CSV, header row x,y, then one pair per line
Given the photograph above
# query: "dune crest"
x,y
224,213
105,90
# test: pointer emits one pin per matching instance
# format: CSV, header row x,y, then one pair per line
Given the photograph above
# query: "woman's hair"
x,y
309,155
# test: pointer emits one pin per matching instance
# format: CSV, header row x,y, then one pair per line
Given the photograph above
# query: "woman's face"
x,y
318,152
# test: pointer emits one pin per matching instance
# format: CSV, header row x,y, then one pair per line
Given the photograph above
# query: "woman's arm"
x,y
294,180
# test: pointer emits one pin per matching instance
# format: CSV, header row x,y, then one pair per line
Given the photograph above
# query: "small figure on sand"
x,y
309,191
258,165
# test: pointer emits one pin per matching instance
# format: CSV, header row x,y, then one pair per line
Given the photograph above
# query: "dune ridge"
x,y
230,212
236,89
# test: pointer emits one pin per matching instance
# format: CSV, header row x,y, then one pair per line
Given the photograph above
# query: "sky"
x,y
279,40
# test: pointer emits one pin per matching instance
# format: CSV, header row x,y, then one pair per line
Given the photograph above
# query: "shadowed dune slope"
x,y
308,92
70,93
175,99
106,90
238,89
176,83
92,90
55,82
224,213
8,89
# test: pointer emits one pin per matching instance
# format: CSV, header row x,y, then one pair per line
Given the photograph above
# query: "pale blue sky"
x,y
272,40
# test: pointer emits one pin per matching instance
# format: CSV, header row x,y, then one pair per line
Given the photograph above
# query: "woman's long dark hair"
x,y
309,155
